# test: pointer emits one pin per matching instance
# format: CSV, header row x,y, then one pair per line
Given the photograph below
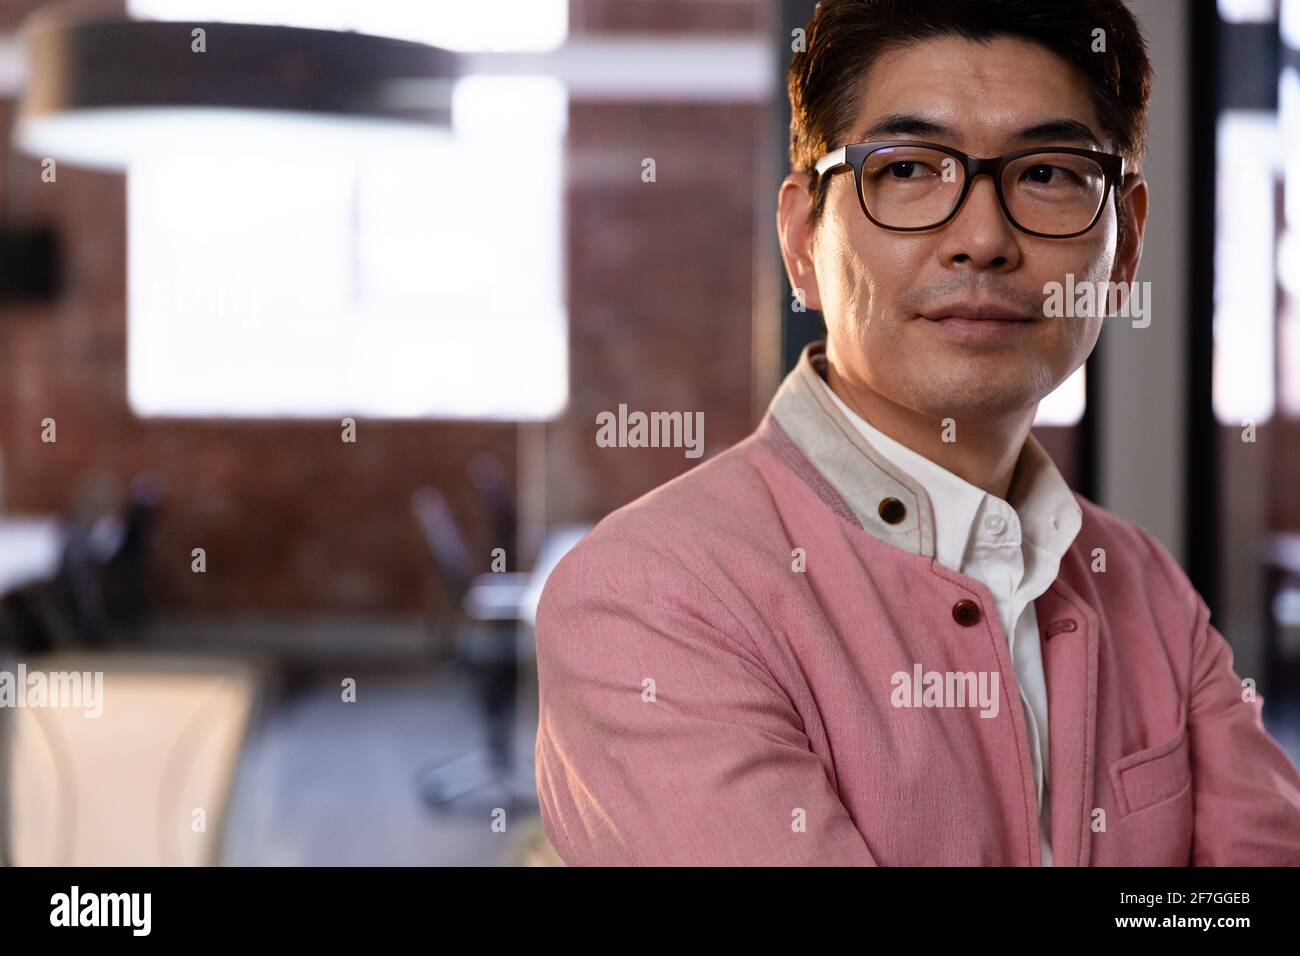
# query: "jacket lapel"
x,y
856,472
1069,632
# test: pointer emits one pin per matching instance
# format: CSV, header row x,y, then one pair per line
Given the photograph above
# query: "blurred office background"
x,y
297,409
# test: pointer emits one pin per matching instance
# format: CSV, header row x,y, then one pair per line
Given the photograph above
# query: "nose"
x,y
980,236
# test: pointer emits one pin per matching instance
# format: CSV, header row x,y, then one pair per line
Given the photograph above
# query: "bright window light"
x,y
1248,11
1064,406
1244,301
1289,23
421,281
1288,253
120,138
499,26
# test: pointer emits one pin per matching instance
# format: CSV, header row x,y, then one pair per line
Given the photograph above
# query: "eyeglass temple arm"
x,y
832,159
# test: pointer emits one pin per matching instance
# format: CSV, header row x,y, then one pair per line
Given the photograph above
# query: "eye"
x,y
907,169
1047,175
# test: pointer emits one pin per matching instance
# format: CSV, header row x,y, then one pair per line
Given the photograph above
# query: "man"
x,y
881,630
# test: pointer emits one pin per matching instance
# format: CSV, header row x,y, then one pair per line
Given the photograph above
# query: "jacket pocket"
x,y
1147,777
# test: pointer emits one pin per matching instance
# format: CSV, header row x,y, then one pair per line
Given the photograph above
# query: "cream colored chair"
x,y
147,783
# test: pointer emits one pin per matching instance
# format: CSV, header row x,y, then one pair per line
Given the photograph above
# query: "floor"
x,y
328,783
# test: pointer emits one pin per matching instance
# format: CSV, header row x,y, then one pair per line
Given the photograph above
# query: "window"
x,y
284,266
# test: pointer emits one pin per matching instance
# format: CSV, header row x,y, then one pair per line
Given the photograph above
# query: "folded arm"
x,y
1246,790
663,737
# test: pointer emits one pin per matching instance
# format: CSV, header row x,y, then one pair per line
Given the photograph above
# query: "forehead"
x,y
983,91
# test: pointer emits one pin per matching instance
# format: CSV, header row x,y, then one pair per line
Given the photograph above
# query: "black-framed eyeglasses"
x,y
1056,192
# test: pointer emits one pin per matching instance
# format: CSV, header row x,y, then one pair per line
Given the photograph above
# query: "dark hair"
x,y
844,37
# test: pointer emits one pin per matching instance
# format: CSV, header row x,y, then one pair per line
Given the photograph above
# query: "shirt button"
x,y
892,511
966,613
995,524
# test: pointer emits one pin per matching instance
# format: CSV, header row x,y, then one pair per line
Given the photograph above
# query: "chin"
x,y
965,396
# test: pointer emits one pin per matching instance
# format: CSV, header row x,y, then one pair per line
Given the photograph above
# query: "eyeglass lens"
x,y
913,187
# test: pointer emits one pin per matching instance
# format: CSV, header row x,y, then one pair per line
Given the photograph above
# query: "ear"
x,y
1134,210
793,208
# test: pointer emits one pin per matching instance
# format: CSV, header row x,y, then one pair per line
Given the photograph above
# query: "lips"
x,y
972,323
969,312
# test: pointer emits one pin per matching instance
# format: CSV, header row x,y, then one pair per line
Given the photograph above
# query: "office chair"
x,y
124,574
483,633
102,585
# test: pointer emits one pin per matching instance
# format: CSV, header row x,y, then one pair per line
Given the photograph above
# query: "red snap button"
x,y
1061,627
966,613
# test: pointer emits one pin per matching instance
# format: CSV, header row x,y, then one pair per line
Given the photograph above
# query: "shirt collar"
x,y
1050,517
863,467
954,500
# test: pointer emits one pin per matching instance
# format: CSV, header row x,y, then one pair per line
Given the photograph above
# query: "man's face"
x,y
885,294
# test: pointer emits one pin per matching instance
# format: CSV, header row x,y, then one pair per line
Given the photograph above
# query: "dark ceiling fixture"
x,y
80,66
102,92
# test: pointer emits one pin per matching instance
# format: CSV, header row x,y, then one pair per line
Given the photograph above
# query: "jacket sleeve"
x,y
1246,790
663,738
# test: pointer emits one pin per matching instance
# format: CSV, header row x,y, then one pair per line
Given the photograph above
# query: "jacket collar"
x,y
846,465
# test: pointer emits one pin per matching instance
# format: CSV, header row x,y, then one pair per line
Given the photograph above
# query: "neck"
x,y
984,453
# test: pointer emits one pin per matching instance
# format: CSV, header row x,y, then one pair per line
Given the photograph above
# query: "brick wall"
x,y
660,280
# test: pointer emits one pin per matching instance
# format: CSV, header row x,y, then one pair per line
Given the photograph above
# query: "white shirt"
x,y
1015,551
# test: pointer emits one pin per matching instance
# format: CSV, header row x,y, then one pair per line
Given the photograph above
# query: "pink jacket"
x,y
705,702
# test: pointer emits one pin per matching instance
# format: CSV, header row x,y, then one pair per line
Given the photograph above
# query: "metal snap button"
x,y
892,511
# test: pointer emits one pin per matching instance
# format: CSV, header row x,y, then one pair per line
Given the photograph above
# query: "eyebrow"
x,y
1049,131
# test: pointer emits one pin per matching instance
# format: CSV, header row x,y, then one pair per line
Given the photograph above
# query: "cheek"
x,y
882,267
1097,258
1091,262
1081,336
848,288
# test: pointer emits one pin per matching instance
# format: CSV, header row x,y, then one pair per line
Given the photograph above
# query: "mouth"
x,y
978,321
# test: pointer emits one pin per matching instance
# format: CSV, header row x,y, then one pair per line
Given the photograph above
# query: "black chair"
x,y
484,642
488,477
101,589
124,575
